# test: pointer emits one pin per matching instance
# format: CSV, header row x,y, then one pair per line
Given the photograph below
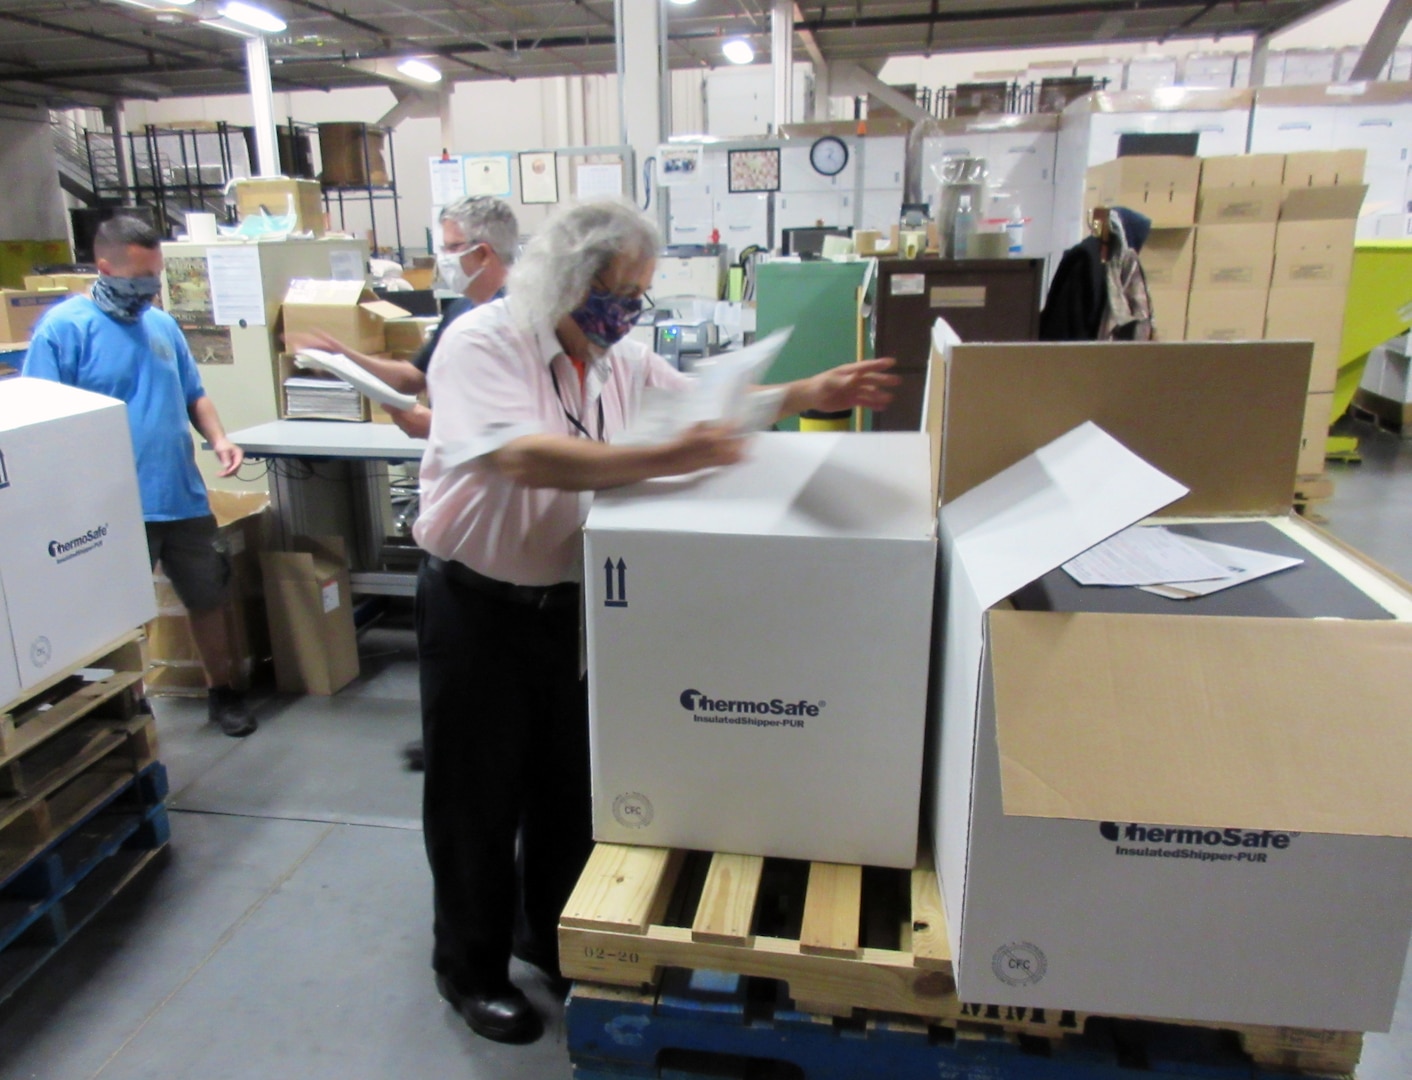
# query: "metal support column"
x,y
782,61
643,93
1383,42
262,99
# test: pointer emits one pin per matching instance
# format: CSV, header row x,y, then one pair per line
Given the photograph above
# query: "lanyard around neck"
x,y
578,424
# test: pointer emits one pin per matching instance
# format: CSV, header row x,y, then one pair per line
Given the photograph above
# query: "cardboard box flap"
x,y
1323,203
1227,430
1205,722
385,309
1056,503
806,486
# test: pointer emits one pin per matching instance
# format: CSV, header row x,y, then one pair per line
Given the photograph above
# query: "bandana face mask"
x,y
126,298
605,317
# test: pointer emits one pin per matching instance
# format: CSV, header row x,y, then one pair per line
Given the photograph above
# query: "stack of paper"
x,y
1166,564
324,399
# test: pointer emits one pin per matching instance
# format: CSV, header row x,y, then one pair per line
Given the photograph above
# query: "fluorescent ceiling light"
x,y
229,27
419,70
738,51
683,3
250,15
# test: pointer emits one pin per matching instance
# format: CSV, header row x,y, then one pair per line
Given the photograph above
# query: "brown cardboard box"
x,y
175,665
352,155
276,196
1169,311
1163,188
1243,170
288,369
311,616
1325,168
1313,441
410,334
348,310
20,309
1226,314
1308,314
1167,258
1233,255
1314,244
74,283
1239,205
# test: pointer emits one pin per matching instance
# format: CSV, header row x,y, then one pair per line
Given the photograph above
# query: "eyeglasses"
x,y
461,248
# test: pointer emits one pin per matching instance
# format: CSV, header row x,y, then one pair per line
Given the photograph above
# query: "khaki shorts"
x,y
193,559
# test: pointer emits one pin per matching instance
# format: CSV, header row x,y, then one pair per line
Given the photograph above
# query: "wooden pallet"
x,y
66,697
842,939
65,789
1310,494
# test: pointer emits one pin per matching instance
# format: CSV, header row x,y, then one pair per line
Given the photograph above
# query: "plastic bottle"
x,y
962,229
1015,232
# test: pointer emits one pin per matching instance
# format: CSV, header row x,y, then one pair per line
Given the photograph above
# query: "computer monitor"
x,y
809,241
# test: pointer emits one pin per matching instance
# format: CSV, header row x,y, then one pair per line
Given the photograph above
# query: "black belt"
x,y
563,595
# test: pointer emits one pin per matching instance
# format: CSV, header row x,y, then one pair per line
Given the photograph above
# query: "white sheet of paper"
x,y
1143,556
448,180
237,290
721,392
345,266
599,181
1242,565
351,373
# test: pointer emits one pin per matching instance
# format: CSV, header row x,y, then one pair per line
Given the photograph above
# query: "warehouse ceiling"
x,y
88,51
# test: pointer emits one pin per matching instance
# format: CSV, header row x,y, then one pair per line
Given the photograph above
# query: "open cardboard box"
x,y
1178,816
348,310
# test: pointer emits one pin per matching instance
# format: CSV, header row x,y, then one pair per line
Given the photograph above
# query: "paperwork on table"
x,y
355,376
1166,564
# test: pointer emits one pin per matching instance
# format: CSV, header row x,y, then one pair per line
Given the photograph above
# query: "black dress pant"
x,y
505,723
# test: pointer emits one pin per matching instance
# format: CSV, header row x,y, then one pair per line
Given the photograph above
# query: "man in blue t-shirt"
x,y
114,342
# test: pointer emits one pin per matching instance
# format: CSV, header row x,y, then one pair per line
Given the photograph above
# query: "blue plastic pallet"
x,y
45,902
745,1035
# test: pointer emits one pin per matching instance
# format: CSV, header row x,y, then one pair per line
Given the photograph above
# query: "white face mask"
x,y
453,273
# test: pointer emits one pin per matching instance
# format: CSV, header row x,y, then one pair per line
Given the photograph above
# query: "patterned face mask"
x,y
125,298
605,317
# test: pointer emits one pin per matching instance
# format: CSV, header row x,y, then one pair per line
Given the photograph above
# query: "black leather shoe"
x,y
503,1014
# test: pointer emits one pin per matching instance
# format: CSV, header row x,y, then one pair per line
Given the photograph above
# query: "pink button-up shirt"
x,y
492,381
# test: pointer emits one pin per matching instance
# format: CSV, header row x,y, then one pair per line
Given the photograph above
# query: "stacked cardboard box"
x,y
1309,282
1237,209
1167,260
72,283
1163,188
303,198
310,607
21,309
174,661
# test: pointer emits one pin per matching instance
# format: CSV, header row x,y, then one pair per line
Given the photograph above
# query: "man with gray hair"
x,y
479,238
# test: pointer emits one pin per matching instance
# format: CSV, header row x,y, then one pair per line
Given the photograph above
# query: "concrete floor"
x,y
287,931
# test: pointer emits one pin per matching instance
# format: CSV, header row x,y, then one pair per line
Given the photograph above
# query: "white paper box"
x,y
758,641
1182,918
73,548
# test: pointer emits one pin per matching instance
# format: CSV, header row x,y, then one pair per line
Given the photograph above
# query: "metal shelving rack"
x,y
173,170
342,195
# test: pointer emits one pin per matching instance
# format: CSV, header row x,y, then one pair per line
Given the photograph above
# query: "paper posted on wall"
x,y
351,373
724,389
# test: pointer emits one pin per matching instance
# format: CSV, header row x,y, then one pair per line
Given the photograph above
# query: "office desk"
x,y
330,478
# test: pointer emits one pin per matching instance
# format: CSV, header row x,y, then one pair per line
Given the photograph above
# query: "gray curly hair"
x,y
486,220
555,271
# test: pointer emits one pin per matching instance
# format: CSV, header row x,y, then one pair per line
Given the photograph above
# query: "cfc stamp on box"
x,y
633,810
1019,964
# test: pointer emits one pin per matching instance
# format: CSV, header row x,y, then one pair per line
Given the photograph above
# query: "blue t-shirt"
x,y
146,364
